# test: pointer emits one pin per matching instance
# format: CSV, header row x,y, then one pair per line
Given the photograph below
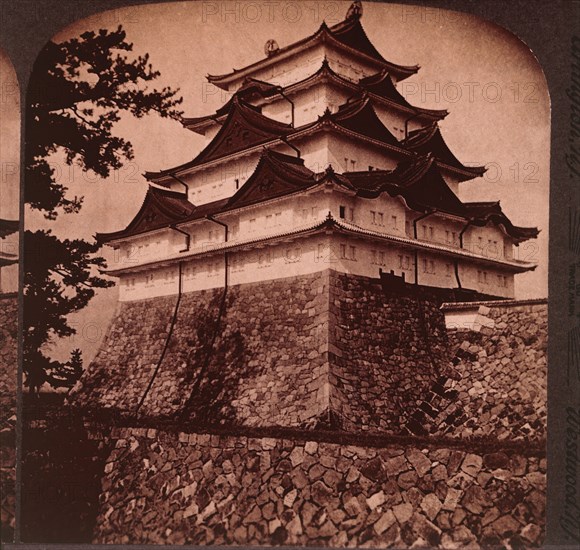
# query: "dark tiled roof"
x,y
420,183
359,116
382,85
160,208
429,140
349,33
275,175
244,127
491,212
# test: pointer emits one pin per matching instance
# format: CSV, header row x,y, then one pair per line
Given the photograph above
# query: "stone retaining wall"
x,y
326,350
387,351
500,378
119,374
204,489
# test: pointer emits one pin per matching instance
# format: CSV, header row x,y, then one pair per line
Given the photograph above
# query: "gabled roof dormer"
x,y
347,36
244,127
161,208
381,84
429,140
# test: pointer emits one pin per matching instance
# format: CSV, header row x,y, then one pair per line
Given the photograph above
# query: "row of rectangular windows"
x,y
483,277
378,257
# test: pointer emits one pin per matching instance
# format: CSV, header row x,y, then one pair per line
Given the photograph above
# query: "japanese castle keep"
x,y
281,367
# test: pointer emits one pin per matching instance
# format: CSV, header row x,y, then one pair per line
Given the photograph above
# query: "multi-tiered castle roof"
x,y
316,150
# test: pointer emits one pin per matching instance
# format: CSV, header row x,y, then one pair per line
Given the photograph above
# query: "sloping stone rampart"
x,y
328,350
321,354
500,380
119,374
387,351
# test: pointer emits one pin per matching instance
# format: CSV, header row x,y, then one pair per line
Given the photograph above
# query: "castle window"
x,y
343,251
352,165
265,257
448,270
352,250
342,211
293,254
407,227
428,266
394,222
237,183
378,258
404,262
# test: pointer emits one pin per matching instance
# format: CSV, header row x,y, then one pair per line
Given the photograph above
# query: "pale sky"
x,y
9,164
488,80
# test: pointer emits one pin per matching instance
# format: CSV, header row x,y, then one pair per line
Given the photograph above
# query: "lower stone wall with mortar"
x,y
498,385
8,385
180,488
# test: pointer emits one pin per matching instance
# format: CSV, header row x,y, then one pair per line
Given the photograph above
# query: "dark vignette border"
x,y
547,27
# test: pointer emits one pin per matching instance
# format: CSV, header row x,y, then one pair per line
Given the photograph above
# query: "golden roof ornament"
x,y
271,47
355,10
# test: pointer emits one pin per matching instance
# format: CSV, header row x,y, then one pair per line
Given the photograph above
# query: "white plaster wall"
x,y
488,241
470,278
301,65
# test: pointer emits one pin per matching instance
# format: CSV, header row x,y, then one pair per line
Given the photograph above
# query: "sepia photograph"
x,y
9,227
284,280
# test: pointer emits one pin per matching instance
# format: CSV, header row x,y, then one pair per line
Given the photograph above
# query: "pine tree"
x,y
78,90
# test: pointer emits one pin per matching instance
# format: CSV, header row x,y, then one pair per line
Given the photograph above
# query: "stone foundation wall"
x,y
388,350
325,350
317,350
119,374
260,362
260,358
8,386
203,489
